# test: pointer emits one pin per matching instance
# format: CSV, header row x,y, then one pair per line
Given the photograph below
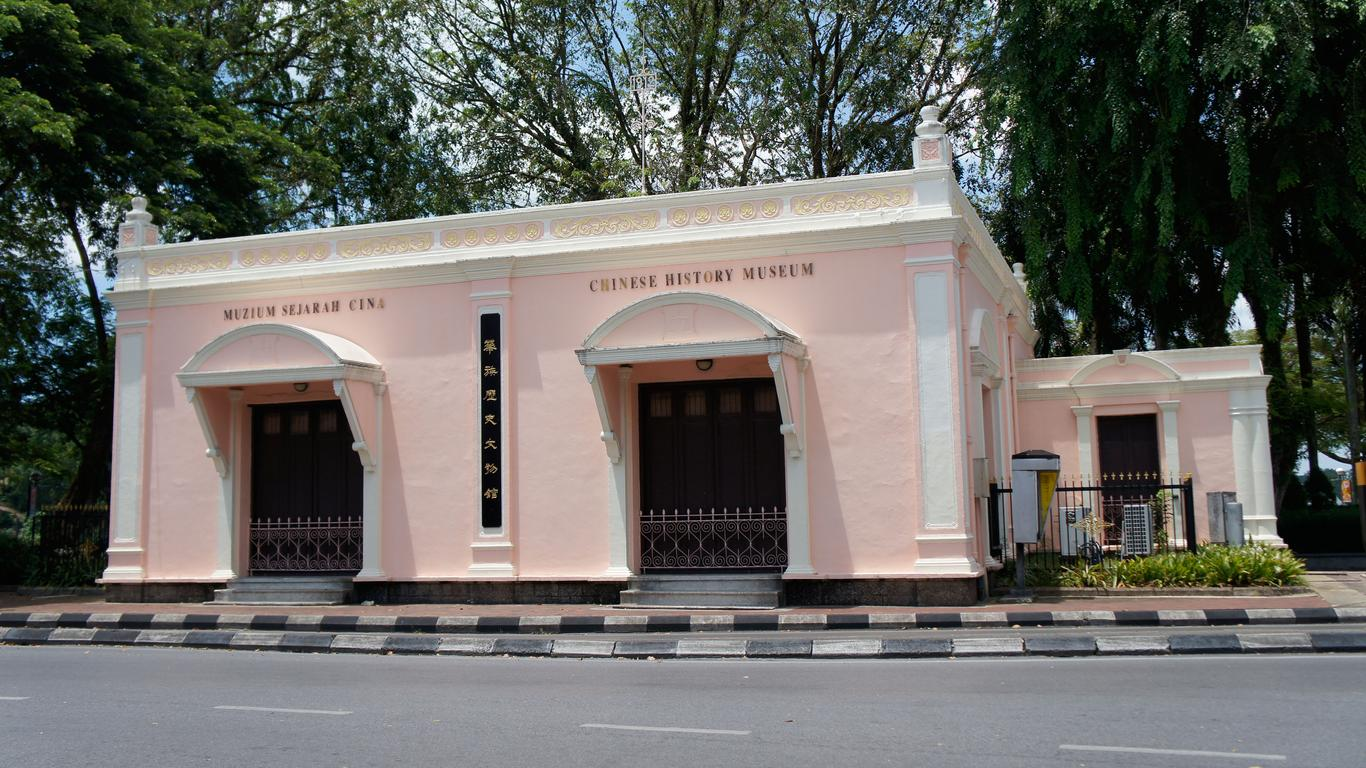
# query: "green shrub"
x,y
1255,565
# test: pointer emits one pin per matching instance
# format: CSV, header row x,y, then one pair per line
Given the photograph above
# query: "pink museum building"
x,y
817,381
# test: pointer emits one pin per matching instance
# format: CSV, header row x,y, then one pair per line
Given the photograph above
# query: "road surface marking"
x,y
1183,752
662,729
13,698
285,710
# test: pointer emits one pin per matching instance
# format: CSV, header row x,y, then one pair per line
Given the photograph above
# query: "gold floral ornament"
x,y
188,265
508,233
396,245
724,213
288,254
861,200
612,224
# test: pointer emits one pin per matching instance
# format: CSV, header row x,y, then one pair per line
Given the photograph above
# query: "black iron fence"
x,y
69,543
1128,515
306,544
729,538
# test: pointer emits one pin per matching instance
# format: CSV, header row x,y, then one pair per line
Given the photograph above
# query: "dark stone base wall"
x,y
492,592
881,592
160,592
800,592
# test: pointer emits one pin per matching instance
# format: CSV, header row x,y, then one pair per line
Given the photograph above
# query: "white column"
x,y
227,497
1252,465
125,545
619,499
372,496
1085,467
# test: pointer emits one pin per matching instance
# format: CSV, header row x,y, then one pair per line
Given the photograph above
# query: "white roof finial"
x,y
137,229
931,144
929,127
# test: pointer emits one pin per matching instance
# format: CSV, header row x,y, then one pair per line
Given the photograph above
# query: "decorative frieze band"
x,y
725,213
860,200
396,245
611,224
482,236
188,265
288,254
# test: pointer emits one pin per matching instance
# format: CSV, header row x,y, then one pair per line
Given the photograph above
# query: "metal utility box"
x,y
1215,501
1033,478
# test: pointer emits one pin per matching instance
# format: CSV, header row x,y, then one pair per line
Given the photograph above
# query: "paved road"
x,y
164,707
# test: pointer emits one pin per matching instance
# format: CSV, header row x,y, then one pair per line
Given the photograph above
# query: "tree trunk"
x,y
1280,418
1306,364
91,483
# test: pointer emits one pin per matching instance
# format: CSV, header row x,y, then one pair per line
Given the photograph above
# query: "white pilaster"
x,y
125,546
795,479
934,376
1085,464
1171,443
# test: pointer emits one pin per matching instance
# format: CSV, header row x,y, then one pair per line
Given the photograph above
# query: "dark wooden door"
x,y
712,484
1128,446
305,489
1129,468
712,444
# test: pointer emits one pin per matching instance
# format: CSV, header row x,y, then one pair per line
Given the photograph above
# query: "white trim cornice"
x,y
690,351
280,376
1026,390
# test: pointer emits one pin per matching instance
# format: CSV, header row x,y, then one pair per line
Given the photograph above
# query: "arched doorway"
x,y
292,419
708,466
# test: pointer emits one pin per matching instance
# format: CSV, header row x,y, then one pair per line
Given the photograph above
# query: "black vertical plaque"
x,y
491,419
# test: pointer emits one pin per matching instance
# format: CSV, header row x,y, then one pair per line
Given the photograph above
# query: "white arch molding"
x,y
1121,358
216,393
787,358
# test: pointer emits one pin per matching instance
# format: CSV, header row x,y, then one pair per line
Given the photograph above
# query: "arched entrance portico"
x,y
343,387
688,328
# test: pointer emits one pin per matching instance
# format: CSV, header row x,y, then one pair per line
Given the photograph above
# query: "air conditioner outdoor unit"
x,y
1073,538
1137,530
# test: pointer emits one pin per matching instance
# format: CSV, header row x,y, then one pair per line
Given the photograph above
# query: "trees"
x,y
220,113
1168,157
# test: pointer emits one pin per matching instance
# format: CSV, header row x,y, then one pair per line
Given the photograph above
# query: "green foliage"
x,y
1165,157
1254,565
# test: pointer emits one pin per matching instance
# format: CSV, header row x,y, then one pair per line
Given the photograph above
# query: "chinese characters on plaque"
x,y
491,418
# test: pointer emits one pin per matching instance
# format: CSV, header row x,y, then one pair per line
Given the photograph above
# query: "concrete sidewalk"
x,y
1331,618
1327,591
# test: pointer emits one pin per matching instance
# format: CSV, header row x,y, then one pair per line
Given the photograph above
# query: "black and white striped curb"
x,y
624,624
1336,641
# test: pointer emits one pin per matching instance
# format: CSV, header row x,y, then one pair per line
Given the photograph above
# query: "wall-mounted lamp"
x,y
705,364
300,386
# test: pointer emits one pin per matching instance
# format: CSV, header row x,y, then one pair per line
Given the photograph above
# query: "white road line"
x,y
1181,752
285,710
662,729
13,698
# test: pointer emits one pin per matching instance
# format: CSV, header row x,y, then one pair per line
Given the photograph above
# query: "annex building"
x,y
816,380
